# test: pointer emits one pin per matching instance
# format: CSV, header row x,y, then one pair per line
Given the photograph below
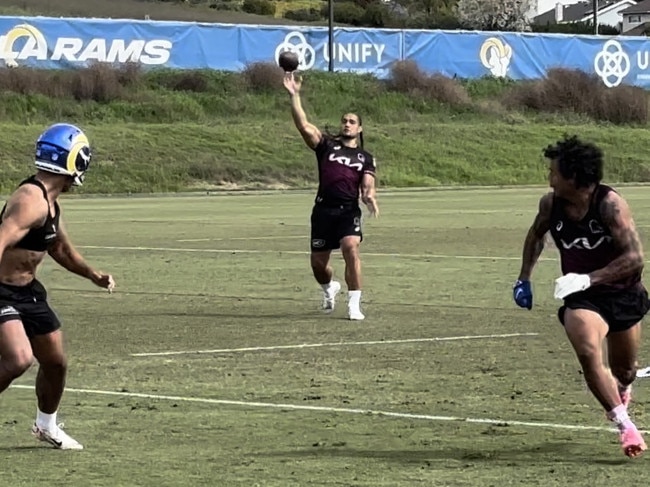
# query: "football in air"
x,y
288,61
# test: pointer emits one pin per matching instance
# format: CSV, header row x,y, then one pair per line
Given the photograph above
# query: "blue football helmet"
x,y
64,149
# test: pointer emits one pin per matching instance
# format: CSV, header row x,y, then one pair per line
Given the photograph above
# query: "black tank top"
x,y
340,172
587,245
39,239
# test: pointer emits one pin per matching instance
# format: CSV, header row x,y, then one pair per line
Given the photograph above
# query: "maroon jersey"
x,y
340,171
587,245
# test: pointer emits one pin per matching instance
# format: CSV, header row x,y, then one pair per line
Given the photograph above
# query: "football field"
x,y
211,364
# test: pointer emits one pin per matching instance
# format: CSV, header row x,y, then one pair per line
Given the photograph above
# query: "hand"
x,y
372,206
103,280
292,83
523,294
571,283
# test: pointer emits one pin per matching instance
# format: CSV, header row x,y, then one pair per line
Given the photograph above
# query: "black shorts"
x,y
330,224
621,310
29,305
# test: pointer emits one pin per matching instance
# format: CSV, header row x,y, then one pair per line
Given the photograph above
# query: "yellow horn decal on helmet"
x,y
78,143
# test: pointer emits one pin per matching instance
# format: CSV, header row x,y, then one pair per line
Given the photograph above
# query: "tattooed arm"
x,y
617,216
534,243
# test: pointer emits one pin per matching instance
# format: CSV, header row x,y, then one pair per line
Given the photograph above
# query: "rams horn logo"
x,y
495,55
38,44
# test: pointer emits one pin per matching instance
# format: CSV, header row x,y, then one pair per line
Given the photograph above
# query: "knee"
x,y
18,364
350,250
318,264
320,259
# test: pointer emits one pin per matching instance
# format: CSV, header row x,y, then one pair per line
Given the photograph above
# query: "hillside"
x,y
176,131
138,9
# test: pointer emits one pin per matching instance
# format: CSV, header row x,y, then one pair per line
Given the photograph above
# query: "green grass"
x,y
231,271
150,136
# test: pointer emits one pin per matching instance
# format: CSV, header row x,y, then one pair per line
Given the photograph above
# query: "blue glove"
x,y
523,294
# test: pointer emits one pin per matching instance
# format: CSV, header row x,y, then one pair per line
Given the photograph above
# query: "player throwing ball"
x,y
346,172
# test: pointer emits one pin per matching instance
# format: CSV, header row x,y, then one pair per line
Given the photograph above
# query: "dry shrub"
x,y
18,80
407,77
129,74
624,104
191,80
447,90
263,76
571,90
99,82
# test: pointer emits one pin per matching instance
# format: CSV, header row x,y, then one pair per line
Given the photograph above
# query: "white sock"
x,y
354,299
620,417
326,287
45,421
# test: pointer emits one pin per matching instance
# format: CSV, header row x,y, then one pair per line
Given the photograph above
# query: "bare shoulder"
x,y
615,209
28,202
546,204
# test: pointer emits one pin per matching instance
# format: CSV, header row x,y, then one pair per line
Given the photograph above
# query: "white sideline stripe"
x,y
301,252
326,409
270,237
335,344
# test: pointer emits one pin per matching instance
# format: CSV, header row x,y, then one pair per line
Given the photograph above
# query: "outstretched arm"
x,y
310,133
534,243
617,216
64,254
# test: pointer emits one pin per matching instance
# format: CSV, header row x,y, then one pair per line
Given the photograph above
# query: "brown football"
x,y
288,61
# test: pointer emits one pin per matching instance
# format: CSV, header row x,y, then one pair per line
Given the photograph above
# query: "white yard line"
x,y
333,344
326,409
300,252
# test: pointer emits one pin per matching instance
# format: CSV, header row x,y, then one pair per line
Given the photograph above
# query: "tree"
x,y
506,15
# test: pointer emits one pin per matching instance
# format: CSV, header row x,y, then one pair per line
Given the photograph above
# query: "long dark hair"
x,y
337,135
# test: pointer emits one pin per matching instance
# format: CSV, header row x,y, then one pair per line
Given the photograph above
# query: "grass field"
x,y
265,390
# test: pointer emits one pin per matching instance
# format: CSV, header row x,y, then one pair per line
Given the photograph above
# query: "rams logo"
x,y
35,44
495,55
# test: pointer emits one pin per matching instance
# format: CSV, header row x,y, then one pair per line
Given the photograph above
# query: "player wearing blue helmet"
x,y
30,228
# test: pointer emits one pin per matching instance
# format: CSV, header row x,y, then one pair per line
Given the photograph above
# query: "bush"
x,y
99,82
192,80
263,76
226,5
407,77
583,93
303,15
346,13
259,7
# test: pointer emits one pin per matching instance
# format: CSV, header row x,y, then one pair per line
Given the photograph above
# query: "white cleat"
x,y
57,438
329,297
355,315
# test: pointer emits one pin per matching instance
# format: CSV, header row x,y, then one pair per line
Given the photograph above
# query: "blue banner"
x,y
67,43
615,60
